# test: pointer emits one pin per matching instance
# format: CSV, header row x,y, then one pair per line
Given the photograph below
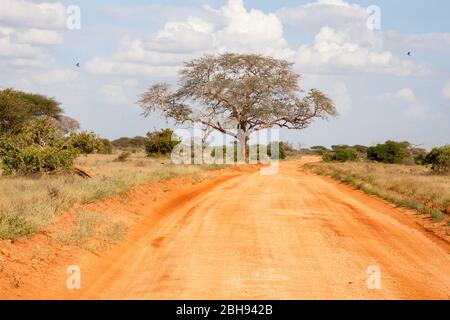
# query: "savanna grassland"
x,y
30,203
411,186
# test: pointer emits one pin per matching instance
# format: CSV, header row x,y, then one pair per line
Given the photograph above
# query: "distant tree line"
x,y
390,152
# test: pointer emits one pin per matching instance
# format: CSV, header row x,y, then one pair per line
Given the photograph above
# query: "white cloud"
x,y
23,13
37,37
239,30
343,42
336,13
347,45
251,31
193,34
113,94
9,49
335,51
446,91
26,27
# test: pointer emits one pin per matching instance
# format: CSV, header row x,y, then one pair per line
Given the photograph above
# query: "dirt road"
x,y
293,235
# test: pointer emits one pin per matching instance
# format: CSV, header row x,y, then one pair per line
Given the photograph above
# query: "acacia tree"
x,y
17,108
238,94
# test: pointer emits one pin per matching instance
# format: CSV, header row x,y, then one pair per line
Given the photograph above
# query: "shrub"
x,y
104,146
85,142
123,156
341,155
38,148
320,150
344,155
439,159
15,227
160,142
328,157
389,152
130,143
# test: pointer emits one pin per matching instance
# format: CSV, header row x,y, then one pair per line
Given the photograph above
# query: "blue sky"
x,y
125,46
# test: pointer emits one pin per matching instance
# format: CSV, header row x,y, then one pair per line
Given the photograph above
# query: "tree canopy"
x,y
238,94
17,108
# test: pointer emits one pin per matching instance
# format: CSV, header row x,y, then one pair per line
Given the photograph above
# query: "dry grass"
x,y
28,204
414,187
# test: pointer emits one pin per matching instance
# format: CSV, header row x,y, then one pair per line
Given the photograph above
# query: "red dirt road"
x,y
293,235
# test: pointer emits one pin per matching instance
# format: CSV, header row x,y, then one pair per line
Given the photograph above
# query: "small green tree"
x,y
39,147
85,142
342,154
389,152
320,150
134,143
104,146
160,142
439,159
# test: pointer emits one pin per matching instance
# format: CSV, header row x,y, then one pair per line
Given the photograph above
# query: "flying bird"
x,y
77,65
409,53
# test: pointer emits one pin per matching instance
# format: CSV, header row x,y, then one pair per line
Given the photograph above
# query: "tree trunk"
x,y
243,142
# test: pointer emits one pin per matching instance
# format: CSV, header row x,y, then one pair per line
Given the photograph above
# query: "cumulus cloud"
x,y
9,49
251,31
27,27
337,14
336,51
238,30
38,37
47,15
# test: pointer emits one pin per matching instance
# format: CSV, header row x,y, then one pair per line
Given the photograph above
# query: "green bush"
x,y
439,159
85,142
15,227
389,152
341,155
344,155
320,150
38,148
130,143
104,146
160,142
